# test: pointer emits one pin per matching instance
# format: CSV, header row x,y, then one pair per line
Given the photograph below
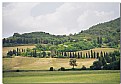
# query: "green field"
x,y
101,76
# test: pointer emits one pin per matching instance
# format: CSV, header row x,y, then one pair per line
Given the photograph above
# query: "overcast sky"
x,y
55,18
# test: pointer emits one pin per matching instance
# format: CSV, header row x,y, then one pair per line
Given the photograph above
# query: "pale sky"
x,y
55,17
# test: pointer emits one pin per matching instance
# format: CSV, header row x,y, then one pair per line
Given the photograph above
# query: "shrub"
x,y
17,70
62,69
51,69
83,67
96,65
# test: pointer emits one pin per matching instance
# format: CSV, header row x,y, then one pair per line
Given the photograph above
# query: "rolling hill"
x,y
108,31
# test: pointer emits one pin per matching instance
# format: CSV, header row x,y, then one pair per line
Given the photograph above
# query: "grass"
x,y
30,63
100,76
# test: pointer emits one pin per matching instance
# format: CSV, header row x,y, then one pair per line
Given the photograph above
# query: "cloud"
x,y
64,18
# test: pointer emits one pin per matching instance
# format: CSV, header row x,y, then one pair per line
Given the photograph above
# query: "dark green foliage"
x,y
71,55
73,63
97,55
62,69
14,52
34,53
78,55
113,66
99,40
107,57
43,53
9,54
101,54
17,70
94,54
91,54
83,68
75,55
113,58
65,54
86,55
117,53
104,61
49,53
96,65
51,69
17,53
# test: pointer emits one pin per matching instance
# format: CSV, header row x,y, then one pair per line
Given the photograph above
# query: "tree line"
x,y
58,54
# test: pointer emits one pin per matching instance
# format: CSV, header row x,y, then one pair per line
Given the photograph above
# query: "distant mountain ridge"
x,y
108,30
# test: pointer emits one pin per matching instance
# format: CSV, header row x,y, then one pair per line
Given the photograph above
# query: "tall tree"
x,y
65,54
71,55
91,54
73,63
17,53
94,54
78,55
43,53
97,55
86,55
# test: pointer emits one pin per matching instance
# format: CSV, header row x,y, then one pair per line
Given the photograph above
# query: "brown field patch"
x,y
30,63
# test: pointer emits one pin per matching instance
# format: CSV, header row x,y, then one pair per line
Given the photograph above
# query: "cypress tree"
x,y
17,52
78,55
98,40
65,54
101,54
73,55
88,54
91,54
70,55
97,55
94,54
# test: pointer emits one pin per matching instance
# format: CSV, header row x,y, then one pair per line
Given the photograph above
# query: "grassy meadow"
x,y
30,63
99,76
